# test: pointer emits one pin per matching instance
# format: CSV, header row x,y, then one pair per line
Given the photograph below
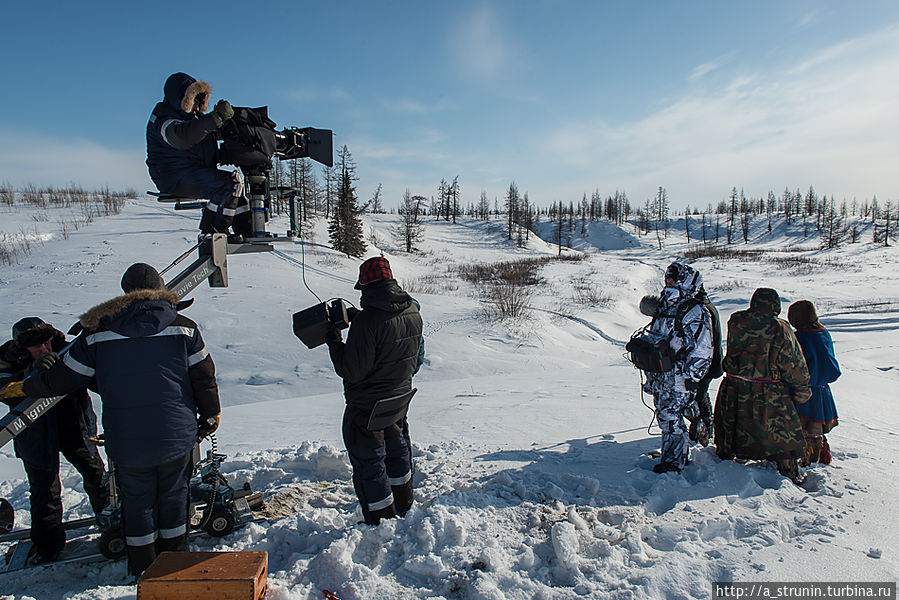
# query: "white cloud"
x,y
31,158
704,69
417,107
830,120
479,46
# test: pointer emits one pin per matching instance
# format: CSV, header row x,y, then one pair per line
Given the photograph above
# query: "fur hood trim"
x,y
197,87
91,319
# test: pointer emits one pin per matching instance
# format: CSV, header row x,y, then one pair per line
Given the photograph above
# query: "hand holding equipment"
x,y
43,363
207,426
222,112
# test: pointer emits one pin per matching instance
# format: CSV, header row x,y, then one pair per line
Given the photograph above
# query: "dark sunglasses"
x,y
200,99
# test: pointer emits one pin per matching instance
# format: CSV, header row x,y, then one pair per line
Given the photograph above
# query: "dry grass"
x,y
787,259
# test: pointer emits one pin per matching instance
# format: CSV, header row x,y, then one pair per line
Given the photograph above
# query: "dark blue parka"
x,y
152,371
179,141
38,445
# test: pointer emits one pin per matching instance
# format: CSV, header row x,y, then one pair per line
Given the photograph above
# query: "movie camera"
x,y
311,325
250,140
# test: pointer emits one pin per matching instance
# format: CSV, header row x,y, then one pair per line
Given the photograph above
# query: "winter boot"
x,y
789,467
98,493
815,442
42,557
699,431
402,497
824,457
175,544
140,558
374,517
666,467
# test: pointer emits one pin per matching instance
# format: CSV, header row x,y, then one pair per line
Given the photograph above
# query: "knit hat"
x,y
32,331
372,270
141,276
803,316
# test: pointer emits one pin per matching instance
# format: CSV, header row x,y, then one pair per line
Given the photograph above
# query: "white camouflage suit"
x,y
694,354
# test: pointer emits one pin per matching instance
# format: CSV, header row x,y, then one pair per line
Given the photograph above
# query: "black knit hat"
x,y
141,276
32,331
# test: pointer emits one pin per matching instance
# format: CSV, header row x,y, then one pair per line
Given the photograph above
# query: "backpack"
x,y
651,351
716,368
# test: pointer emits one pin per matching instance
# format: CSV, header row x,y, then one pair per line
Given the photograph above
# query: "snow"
x,y
532,479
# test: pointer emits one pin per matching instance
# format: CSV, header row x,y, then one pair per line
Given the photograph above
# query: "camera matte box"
x,y
311,325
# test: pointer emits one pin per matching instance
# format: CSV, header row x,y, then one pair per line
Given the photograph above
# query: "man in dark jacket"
x,y
66,428
157,383
382,351
182,154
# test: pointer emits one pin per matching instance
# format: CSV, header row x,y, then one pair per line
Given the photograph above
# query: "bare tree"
x,y
375,205
484,207
408,230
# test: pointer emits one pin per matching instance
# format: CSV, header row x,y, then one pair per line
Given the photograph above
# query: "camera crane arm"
x,y
211,265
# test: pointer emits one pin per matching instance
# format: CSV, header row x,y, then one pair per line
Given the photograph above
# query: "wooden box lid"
x,y
201,575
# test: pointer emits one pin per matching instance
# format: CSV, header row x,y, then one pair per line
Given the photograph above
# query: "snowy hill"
x,y
532,479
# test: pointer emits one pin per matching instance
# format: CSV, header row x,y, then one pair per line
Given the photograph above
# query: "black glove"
x,y
43,363
222,112
207,425
690,385
332,335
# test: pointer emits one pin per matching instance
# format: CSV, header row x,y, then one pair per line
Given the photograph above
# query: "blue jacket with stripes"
x,y
152,371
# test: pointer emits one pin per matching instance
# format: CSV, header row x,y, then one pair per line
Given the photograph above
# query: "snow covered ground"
x,y
532,479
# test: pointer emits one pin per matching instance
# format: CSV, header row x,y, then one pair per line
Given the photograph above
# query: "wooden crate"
x,y
205,576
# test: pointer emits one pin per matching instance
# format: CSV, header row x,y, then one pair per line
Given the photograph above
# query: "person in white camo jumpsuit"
x,y
692,343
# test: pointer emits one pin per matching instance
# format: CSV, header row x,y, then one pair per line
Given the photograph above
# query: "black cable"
x,y
303,263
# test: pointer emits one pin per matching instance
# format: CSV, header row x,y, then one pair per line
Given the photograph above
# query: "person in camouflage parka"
x,y
691,339
755,415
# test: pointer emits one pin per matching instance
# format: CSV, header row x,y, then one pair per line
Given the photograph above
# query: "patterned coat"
x,y
755,415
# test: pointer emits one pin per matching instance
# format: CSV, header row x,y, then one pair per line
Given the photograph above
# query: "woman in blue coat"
x,y
819,414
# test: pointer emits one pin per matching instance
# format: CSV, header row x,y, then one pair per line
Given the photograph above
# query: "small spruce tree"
x,y
345,228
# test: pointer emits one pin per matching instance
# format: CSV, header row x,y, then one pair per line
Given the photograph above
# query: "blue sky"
x,y
562,97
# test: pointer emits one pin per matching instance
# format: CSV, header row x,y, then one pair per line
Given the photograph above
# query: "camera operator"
x,y
182,154
382,352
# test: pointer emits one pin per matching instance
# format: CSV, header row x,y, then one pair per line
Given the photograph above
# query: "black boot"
x,y
374,517
666,467
402,497
98,493
140,558
175,544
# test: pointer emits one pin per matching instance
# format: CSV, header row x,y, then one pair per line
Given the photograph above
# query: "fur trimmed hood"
x,y
181,89
92,318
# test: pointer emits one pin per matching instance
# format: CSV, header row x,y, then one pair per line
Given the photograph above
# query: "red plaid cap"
x,y
372,270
